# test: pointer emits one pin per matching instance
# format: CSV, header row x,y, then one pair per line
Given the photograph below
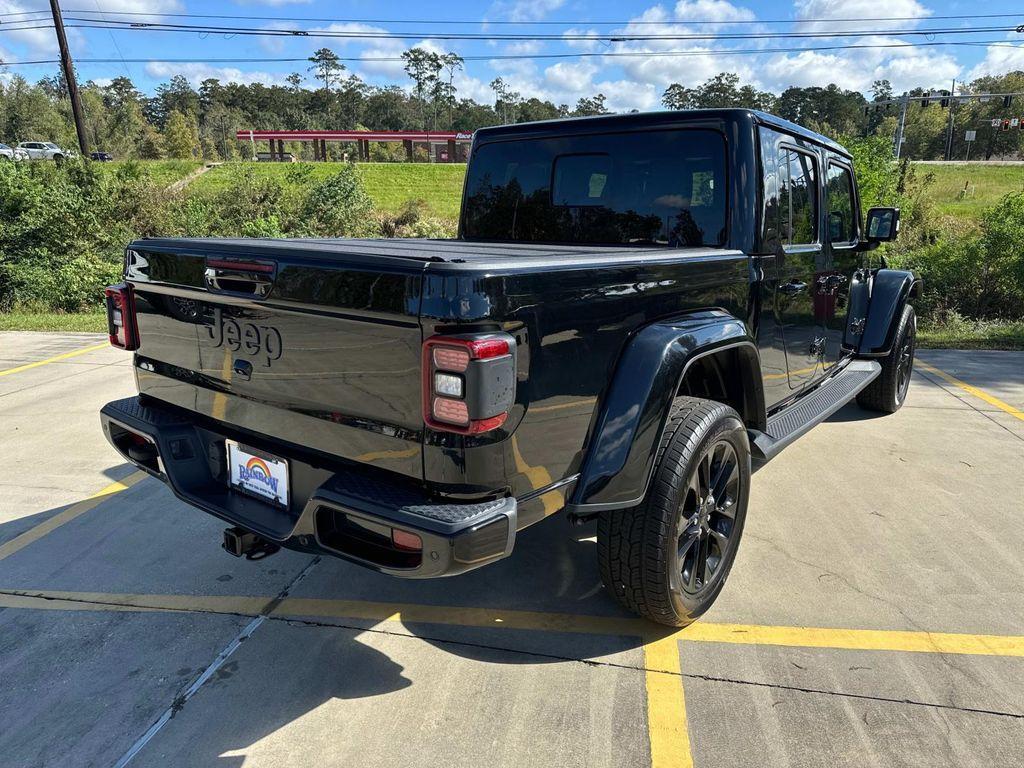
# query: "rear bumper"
x,y
339,512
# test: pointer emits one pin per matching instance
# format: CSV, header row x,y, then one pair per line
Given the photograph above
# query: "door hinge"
x,y
818,346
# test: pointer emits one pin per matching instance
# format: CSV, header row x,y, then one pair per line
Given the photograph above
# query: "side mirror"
x,y
883,225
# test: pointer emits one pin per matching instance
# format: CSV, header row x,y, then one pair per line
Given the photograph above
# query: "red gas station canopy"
x,y
431,136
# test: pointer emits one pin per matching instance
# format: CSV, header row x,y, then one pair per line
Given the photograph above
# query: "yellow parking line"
x,y
69,514
666,705
54,359
857,639
979,393
744,634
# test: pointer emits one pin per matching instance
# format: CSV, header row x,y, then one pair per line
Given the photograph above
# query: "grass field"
x,y
987,183
389,185
163,172
53,321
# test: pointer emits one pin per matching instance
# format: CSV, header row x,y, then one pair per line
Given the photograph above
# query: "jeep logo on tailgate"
x,y
262,341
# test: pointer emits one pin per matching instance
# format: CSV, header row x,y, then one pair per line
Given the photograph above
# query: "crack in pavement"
x,y
186,693
987,414
267,615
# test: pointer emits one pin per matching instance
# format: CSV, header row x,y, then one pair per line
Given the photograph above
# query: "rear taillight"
x,y
469,382
121,322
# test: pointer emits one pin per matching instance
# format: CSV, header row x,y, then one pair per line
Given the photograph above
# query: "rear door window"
x,y
839,196
798,198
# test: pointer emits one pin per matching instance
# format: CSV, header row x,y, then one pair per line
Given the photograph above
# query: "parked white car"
x,y
12,153
44,150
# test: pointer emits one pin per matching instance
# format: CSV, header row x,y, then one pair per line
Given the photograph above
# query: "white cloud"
x,y
712,10
626,95
905,68
999,59
810,11
582,39
532,10
196,73
524,47
572,78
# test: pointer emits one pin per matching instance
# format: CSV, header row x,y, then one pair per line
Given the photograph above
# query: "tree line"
x,y
180,121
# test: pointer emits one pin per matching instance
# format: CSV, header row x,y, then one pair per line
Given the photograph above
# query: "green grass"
x,y
53,321
389,185
967,334
163,172
987,183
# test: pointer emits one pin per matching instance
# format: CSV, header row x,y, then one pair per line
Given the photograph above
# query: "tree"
x,y
445,91
181,137
327,67
592,106
423,67
506,101
677,97
294,81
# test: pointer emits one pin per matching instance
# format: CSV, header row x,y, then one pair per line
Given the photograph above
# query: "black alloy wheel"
x,y
707,517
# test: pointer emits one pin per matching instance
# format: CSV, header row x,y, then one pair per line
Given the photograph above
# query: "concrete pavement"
x,y
905,524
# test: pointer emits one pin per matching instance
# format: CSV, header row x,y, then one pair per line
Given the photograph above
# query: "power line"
x,y
577,54
610,38
449,22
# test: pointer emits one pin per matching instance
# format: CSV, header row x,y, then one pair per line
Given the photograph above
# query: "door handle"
x,y
792,288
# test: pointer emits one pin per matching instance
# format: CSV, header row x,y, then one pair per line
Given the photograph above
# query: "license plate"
x,y
259,474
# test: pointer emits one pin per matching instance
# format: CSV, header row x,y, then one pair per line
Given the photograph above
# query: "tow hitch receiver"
x,y
239,542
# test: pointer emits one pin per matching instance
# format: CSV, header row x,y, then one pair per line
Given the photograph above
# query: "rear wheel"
x,y
668,558
888,392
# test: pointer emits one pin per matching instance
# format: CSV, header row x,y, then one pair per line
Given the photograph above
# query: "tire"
x,y
888,392
647,554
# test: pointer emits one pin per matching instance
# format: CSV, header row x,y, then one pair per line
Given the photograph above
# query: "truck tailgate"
x,y
318,349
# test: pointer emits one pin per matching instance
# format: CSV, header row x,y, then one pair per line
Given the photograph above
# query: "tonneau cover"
x,y
422,250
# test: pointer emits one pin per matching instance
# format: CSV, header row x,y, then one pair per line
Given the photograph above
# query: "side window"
x,y
798,198
842,223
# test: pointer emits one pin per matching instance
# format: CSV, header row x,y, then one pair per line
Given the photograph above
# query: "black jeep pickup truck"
x,y
636,311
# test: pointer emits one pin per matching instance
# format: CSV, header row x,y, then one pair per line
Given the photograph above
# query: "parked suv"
x,y
637,311
12,153
44,150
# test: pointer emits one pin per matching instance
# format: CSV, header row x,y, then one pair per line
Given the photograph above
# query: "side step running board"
x,y
813,408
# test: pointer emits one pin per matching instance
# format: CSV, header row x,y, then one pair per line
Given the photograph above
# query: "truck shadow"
x,y
343,683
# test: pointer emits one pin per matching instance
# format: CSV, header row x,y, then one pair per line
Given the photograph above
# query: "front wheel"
x,y
888,392
668,558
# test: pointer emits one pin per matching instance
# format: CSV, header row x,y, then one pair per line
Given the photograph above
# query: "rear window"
x,y
651,188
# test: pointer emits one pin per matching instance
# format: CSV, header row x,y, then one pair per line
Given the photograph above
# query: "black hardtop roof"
x,y
640,120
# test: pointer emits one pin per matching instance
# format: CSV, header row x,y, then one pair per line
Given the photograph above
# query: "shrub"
x,y
338,207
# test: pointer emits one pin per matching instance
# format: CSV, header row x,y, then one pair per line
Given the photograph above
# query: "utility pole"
x,y
949,131
904,102
69,77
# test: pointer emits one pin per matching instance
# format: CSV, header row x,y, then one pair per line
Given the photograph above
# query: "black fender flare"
x,y
623,445
890,291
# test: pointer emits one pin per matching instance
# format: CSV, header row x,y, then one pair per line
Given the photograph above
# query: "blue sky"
x,y
628,81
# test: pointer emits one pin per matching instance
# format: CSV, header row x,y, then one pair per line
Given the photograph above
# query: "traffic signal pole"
x,y
904,102
949,130
69,78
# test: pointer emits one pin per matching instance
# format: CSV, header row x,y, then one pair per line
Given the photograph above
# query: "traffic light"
x,y
1006,123
1007,101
